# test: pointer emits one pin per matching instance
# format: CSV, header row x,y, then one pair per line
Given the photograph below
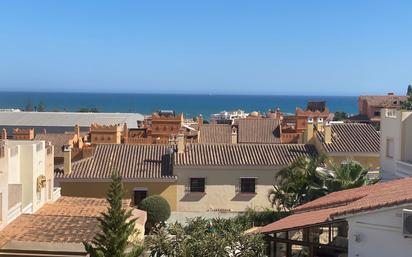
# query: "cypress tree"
x,y
409,92
116,227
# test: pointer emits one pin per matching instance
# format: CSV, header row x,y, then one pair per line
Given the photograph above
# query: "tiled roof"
x,y
258,131
352,137
152,161
56,139
383,100
346,202
68,220
215,134
242,154
131,161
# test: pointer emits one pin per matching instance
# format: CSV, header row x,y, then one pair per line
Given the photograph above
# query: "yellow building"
x,y
343,142
196,178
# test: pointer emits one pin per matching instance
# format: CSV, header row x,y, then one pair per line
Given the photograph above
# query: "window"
x,y
377,114
197,185
247,185
389,147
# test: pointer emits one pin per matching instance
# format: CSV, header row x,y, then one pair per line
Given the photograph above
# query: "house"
x,y
365,221
217,134
59,228
26,177
370,106
396,144
59,140
343,142
197,178
258,131
34,219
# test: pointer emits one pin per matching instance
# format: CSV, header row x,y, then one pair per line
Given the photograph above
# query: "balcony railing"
x,y
404,169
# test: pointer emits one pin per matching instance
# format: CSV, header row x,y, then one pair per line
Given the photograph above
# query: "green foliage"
x,y
117,227
407,105
251,218
302,182
206,238
339,116
347,176
88,109
157,208
41,107
298,183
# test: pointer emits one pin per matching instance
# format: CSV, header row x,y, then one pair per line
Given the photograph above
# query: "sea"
x,y
190,104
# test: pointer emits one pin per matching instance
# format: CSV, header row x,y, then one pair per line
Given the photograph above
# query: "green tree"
x,y
298,183
41,107
157,208
207,238
118,233
339,116
409,92
408,103
347,176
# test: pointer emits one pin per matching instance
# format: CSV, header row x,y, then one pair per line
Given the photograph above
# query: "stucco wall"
x,y
380,235
220,188
3,189
99,189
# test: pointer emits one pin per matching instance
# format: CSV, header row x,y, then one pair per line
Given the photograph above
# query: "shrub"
x,y
157,208
252,218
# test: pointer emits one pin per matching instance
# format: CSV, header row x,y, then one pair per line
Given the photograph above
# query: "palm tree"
x,y
298,183
347,176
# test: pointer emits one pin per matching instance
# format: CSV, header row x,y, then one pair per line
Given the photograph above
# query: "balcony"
x,y
404,168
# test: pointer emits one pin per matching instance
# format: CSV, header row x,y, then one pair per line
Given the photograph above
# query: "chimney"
x,y
125,133
77,131
180,139
67,164
319,124
309,130
4,134
234,135
200,120
328,133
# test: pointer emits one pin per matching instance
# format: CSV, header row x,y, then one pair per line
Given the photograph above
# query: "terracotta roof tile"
x,y
56,139
68,220
215,134
242,154
383,100
131,161
259,131
347,202
352,137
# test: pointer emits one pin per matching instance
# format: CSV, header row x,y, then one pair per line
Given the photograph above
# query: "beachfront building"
x,y
370,106
343,142
367,221
228,117
60,122
26,178
193,178
396,144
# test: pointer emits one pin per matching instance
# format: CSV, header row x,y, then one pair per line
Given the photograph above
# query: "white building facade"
x,y
26,177
396,144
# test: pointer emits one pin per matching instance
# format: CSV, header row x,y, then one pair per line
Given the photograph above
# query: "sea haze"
x,y
190,105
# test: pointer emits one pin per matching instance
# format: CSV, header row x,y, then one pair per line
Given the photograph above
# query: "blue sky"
x,y
221,47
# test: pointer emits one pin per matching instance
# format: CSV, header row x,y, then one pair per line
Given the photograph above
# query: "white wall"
x,y
3,190
221,186
380,235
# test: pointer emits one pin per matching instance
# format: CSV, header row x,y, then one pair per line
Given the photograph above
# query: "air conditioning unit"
x,y
407,222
